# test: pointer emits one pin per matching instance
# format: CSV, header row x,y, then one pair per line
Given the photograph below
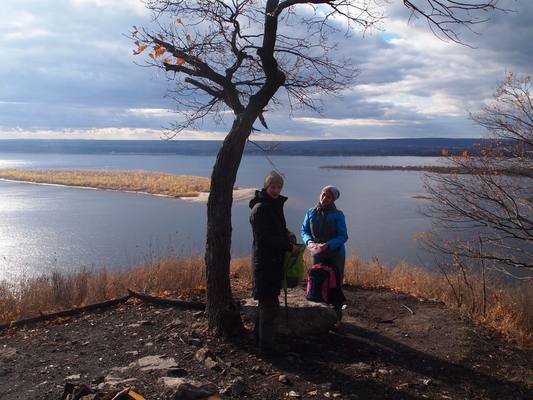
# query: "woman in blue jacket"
x,y
324,232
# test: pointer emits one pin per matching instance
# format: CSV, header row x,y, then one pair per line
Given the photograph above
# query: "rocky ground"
x,y
391,346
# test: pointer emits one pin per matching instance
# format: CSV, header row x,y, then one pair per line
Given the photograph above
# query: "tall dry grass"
x,y
508,309
175,276
505,308
135,181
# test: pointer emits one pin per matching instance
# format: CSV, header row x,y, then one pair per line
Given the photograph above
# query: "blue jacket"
x,y
326,226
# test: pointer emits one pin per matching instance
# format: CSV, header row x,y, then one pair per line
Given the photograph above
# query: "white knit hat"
x,y
333,190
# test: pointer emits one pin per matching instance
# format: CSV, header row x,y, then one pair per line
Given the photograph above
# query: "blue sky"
x,y
67,71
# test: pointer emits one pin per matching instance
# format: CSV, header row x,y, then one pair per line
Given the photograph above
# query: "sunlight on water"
x,y
14,163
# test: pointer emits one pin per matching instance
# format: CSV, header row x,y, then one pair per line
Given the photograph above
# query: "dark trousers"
x,y
265,323
336,263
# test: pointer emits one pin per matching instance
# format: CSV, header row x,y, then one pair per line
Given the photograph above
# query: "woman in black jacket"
x,y
270,242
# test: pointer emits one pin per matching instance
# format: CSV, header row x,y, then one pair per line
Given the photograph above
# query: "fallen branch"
x,y
64,313
168,301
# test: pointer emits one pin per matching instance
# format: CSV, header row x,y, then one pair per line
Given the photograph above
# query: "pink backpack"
x,y
320,279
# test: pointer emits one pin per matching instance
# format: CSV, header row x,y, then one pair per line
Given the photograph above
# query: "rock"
x,y
202,354
132,353
402,386
238,386
173,382
305,317
115,381
284,379
384,371
211,364
122,370
74,377
294,394
151,363
195,341
336,395
187,391
312,393
258,369
363,367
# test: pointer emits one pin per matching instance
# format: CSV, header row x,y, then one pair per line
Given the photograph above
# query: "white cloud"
x,y
332,122
66,70
136,6
150,112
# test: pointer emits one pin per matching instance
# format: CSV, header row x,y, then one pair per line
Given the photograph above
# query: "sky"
x,y
67,71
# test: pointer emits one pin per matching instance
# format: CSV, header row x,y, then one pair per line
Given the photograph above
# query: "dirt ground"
x,y
390,346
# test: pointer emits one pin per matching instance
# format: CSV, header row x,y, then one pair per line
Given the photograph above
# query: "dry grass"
x,y
509,310
171,276
134,181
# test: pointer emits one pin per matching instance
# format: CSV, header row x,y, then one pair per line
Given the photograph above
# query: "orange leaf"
x,y
139,50
180,61
178,21
167,60
188,37
159,52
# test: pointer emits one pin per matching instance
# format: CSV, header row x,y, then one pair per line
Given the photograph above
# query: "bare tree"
x,y
490,209
229,58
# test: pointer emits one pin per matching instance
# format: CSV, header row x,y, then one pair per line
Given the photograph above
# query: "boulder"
x,y
305,317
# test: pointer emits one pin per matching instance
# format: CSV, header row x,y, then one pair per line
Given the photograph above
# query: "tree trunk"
x,y
222,312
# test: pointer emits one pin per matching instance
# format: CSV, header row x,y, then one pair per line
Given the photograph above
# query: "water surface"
x,y
49,227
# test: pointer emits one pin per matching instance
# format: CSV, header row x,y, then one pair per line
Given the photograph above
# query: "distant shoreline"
x,y
427,168
421,147
183,187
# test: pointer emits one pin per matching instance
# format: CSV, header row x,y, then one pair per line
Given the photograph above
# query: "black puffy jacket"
x,y
271,240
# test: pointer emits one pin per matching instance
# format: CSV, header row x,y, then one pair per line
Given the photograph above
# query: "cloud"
x,y
350,121
67,69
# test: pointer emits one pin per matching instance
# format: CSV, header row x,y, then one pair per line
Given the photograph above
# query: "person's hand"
x,y
295,249
321,247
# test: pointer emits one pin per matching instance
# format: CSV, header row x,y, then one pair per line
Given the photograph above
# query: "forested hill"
x,y
335,147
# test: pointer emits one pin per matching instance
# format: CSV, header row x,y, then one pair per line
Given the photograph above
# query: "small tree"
x,y
234,55
490,207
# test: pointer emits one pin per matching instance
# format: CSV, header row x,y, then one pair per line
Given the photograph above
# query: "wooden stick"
x,y
168,301
64,313
408,309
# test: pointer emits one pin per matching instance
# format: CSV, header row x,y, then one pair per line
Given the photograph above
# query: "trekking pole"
x,y
286,308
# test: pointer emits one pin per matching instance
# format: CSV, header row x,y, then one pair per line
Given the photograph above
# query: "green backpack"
x,y
293,268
